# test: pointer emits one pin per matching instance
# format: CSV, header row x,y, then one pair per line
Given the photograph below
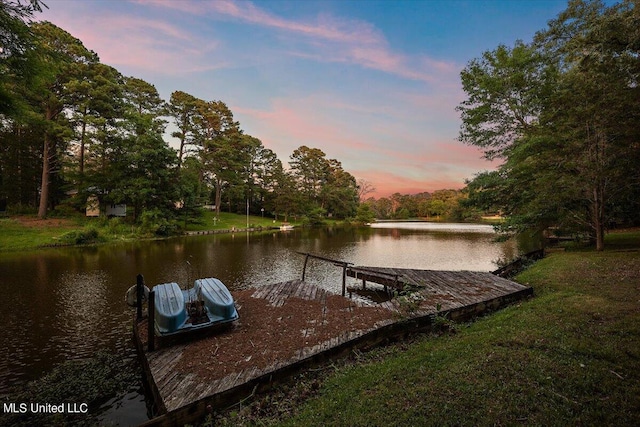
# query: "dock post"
x,y
152,319
344,279
304,269
139,293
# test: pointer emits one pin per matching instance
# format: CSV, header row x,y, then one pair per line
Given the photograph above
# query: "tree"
x,y
339,194
285,198
506,90
596,105
364,187
16,46
96,102
20,162
141,164
323,183
365,214
562,120
222,151
309,167
62,57
183,108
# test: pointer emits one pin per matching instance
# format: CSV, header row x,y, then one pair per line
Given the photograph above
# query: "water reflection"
x,y
67,303
82,304
436,226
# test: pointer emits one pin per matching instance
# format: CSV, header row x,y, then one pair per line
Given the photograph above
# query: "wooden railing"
x,y
336,262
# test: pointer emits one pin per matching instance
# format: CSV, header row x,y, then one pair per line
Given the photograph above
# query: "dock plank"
x,y
184,393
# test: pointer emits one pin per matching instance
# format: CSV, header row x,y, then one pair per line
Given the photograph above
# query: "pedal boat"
x,y
208,303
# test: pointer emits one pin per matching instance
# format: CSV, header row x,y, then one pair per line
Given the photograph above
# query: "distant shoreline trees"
x,y
441,204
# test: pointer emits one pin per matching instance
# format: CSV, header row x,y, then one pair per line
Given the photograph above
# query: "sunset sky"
x,y
373,84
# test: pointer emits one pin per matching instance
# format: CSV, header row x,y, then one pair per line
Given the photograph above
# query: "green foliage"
x,y
155,222
365,214
441,204
323,183
409,301
81,237
561,112
315,217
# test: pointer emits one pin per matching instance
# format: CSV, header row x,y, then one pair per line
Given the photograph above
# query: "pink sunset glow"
x,y
381,99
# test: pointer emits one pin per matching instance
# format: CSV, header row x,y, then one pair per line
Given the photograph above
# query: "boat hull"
x,y
173,306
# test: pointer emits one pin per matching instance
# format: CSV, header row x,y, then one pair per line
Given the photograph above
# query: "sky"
x,y
373,84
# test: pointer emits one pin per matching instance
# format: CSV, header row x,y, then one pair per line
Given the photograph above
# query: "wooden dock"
x,y
287,327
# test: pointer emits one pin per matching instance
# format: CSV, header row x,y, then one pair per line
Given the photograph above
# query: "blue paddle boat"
x,y
208,303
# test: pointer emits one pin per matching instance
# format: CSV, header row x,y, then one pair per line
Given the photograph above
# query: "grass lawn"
x,y
568,356
30,234
227,221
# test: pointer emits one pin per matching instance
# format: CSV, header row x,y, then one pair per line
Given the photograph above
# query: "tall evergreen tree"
x,y
62,58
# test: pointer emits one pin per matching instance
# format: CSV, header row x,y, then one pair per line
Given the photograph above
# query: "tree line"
x,y
562,113
447,204
73,128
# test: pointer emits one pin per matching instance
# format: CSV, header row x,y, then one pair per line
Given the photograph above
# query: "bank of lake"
x,y
568,356
24,233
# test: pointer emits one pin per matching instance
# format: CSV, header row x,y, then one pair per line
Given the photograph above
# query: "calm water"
x,y
67,303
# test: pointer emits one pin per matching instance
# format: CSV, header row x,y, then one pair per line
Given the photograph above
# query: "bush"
x,y
156,223
81,237
365,214
315,217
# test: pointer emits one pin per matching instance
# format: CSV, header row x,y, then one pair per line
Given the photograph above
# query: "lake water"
x,y
67,303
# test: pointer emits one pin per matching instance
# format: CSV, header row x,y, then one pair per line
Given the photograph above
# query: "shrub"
x,y
156,223
81,237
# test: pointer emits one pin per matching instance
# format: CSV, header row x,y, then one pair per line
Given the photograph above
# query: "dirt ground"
x,y
34,222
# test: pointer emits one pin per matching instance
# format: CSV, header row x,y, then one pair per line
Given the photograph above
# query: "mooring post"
x,y
152,319
139,293
304,268
344,279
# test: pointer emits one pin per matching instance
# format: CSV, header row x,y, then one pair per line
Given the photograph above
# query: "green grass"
x,y
227,221
15,236
568,356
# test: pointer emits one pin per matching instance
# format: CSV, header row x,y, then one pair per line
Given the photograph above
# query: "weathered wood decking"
x,y
289,326
446,290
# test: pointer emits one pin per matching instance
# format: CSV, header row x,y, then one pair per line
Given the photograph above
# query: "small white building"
x,y
93,208
117,210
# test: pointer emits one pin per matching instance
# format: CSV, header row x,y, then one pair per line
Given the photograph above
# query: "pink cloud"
x,y
325,26
289,124
151,44
413,165
328,38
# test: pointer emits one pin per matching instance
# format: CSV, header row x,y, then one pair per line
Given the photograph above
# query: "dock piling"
x,y
151,317
344,264
139,294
